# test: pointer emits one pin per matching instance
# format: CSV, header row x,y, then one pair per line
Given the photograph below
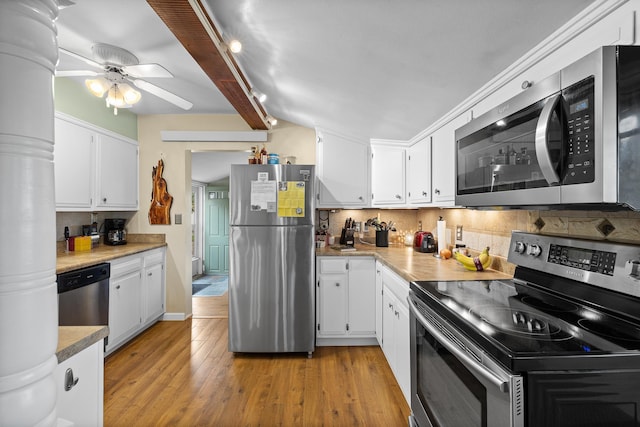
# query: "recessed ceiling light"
x,y
235,46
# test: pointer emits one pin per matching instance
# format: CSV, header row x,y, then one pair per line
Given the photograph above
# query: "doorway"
x,y
216,239
211,169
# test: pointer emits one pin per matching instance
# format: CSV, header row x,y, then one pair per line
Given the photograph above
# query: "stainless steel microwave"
x,y
571,140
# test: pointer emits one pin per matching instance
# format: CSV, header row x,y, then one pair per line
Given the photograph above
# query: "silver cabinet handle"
x,y
150,274
424,193
104,200
118,287
436,191
398,197
360,198
337,284
69,381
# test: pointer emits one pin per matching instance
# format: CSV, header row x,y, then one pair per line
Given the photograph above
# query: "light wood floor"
x,y
181,374
210,307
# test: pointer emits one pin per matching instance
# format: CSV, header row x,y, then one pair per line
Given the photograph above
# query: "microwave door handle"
x,y
542,146
468,361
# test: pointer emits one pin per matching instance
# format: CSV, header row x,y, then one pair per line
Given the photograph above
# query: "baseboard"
x,y
337,342
175,317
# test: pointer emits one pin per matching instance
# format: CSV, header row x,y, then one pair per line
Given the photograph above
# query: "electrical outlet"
x,y
458,232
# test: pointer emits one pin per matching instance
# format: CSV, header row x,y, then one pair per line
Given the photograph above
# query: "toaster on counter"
x,y
423,241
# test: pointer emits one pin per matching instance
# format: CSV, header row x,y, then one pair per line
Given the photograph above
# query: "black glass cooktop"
x,y
526,328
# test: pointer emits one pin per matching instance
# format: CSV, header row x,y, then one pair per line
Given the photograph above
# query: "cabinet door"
x,y
443,155
82,404
343,171
154,291
124,306
73,156
402,346
362,296
117,186
379,302
332,301
387,175
389,303
419,172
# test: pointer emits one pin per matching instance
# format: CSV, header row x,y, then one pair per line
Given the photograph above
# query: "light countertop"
x,y
73,339
68,261
412,265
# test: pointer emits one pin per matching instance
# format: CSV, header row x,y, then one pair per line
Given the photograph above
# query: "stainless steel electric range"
x,y
558,345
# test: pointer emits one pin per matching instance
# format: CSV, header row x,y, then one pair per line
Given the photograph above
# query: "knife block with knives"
x,y
346,236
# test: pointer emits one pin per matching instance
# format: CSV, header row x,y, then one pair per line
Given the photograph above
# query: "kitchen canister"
x,y
273,159
382,238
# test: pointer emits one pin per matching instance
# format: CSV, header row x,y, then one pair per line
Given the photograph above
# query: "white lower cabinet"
x,y
346,301
153,285
125,316
136,295
379,302
80,387
395,328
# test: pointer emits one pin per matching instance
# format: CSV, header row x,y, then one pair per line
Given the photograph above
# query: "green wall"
x,y
73,98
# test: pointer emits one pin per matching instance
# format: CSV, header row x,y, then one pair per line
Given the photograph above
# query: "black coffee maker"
x,y
115,234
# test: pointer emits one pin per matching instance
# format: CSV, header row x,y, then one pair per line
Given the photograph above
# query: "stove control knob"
x,y
534,250
520,247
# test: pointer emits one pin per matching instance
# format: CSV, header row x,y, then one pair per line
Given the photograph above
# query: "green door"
x,y
216,244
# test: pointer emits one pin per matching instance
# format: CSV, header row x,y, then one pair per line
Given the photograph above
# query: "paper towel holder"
x,y
441,227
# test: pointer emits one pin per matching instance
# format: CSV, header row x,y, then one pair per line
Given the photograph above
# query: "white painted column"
x,y
28,293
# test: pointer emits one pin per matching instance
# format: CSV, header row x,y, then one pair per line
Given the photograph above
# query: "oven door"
x,y
454,383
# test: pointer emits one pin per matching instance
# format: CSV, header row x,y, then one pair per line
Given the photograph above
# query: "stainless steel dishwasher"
x,y
83,296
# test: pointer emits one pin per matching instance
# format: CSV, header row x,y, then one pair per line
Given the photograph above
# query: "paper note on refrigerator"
x,y
263,196
291,196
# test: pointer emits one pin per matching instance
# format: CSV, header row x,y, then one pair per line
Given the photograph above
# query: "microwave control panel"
x,y
580,155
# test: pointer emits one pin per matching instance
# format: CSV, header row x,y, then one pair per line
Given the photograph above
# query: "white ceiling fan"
x,y
118,67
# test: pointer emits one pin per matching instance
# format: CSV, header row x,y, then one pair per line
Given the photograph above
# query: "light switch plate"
x,y
178,219
458,232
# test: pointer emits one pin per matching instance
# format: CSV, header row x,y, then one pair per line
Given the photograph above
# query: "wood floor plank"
x,y
181,374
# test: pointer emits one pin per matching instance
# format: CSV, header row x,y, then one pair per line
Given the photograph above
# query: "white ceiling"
x,y
364,68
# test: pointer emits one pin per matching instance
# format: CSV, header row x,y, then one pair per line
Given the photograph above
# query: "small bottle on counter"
x,y
264,155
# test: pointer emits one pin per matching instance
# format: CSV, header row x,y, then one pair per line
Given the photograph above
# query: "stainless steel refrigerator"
x,y
271,259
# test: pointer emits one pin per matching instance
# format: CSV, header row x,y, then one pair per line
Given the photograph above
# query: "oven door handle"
x,y
542,142
468,361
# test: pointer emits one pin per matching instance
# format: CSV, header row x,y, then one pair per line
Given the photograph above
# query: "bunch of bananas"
x,y
478,263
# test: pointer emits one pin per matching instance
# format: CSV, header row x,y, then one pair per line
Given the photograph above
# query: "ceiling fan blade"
x,y
164,94
81,58
76,73
147,71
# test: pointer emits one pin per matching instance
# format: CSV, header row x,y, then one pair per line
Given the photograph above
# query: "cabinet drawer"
x,y
155,256
124,265
333,265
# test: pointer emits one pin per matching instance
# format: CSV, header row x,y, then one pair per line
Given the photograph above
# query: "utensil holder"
x,y
382,238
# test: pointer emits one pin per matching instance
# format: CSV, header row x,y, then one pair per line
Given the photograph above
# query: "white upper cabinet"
x,y
342,171
74,151
95,169
419,172
443,154
387,175
117,184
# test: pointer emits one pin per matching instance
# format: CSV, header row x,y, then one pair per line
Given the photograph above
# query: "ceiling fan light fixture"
x,y
98,86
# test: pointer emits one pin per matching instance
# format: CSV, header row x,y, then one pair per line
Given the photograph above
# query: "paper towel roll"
x,y
441,231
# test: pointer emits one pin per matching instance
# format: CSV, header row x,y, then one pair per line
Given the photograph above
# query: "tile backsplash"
x,y
75,221
493,228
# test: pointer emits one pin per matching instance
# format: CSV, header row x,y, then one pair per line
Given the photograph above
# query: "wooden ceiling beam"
x,y
189,22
